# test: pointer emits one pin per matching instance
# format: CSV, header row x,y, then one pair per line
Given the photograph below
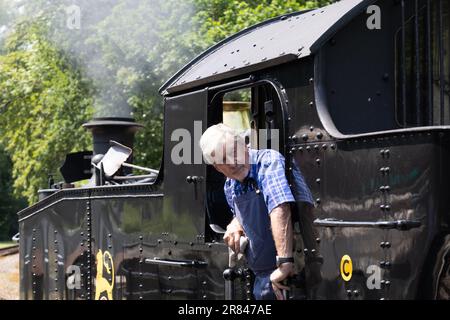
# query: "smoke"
x,y
127,48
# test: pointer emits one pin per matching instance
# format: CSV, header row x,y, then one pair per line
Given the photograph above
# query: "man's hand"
x,y
281,273
233,235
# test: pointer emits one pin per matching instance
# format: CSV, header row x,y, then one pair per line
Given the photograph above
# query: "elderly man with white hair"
x,y
259,196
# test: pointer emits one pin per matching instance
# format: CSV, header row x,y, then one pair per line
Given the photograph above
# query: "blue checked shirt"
x,y
268,171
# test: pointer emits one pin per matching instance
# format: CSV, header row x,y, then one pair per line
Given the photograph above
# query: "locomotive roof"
x,y
269,43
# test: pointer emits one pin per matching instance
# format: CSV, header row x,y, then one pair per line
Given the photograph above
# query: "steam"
x,y
121,45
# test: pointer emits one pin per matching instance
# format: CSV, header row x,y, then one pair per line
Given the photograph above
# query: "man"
x,y
259,196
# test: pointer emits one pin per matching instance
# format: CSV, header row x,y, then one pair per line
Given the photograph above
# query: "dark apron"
x,y
251,212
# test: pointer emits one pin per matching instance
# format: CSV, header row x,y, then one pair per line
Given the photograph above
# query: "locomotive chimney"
x,y
105,129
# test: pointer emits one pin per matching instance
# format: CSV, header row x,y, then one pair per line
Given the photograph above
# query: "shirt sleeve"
x,y
228,195
272,177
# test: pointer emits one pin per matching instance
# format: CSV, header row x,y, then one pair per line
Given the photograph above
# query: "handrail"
x,y
176,263
396,224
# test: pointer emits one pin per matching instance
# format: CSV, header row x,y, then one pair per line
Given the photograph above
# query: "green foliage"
x,y
222,18
43,103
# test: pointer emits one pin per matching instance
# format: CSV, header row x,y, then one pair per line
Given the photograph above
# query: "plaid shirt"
x,y
268,171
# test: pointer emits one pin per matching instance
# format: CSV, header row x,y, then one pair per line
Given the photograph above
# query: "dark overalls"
x,y
251,211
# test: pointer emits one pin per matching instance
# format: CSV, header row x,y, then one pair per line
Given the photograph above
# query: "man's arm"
x,y
280,220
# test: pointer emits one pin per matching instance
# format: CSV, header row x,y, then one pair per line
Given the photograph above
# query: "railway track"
x,y
9,250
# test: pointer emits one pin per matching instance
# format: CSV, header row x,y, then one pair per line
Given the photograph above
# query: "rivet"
x,y
318,200
204,283
141,237
318,240
175,242
318,180
333,146
324,146
305,137
300,149
349,293
318,161
305,250
319,135
356,292
308,148
311,80
191,244
316,147
387,207
109,235
311,128
387,244
382,207
204,296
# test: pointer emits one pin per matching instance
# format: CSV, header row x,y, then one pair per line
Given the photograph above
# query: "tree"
x,y
43,102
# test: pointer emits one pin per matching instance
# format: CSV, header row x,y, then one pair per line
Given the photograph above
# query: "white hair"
x,y
218,138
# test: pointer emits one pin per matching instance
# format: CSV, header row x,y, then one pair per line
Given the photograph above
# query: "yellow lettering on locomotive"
x,y
104,281
346,268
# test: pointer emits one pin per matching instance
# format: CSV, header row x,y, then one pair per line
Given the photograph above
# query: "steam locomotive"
x,y
359,94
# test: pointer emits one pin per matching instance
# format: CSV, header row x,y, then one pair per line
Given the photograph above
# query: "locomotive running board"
x,y
398,224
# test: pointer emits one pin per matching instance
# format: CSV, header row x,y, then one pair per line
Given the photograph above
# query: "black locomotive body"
x,y
358,92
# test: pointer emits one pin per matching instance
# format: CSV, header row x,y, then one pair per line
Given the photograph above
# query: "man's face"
x,y
235,164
